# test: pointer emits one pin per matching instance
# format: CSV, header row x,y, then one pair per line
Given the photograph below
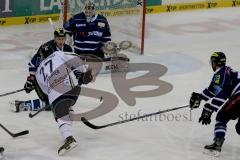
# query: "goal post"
x,y
126,18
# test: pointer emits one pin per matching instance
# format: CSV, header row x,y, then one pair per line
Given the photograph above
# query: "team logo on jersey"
x,y
101,25
80,25
217,79
95,33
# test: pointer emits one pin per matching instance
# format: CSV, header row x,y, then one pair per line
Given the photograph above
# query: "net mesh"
x,y
125,18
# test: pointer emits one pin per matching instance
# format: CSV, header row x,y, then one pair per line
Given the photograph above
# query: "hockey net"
x,y
125,17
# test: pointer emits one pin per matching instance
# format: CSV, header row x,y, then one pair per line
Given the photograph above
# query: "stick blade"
x,y
87,123
30,115
21,133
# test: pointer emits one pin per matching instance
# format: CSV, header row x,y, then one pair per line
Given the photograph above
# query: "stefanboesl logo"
x,y
212,4
235,3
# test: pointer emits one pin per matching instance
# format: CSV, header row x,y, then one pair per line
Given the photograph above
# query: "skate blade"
x,y
212,153
64,151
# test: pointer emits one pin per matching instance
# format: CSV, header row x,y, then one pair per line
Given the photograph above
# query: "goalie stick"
x,y
5,94
14,134
89,124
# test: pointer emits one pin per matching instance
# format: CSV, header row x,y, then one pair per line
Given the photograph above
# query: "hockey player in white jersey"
x,y
55,76
56,44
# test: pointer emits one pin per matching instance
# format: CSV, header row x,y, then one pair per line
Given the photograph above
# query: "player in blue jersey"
x,y
223,94
89,30
57,44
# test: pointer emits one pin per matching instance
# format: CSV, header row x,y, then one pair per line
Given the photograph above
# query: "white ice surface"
x,y
181,41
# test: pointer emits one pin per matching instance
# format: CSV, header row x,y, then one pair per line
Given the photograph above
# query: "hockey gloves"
x,y
87,77
29,85
195,100
206,115
83,78
78,74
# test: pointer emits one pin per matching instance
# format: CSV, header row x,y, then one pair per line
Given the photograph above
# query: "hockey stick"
x,y
89,124
14,134
31,115
51,23
5,94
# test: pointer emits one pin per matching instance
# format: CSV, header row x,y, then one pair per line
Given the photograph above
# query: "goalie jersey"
x,y
225,84
37,58
54,74
88,37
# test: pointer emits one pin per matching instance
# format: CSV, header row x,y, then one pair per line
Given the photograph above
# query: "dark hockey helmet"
x,y
218,58
46,50
59,32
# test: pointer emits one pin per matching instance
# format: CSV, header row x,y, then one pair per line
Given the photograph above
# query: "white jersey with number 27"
x,y
54,74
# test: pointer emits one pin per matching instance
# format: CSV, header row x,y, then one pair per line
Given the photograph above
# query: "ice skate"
x,y
69,144
17,106
215,148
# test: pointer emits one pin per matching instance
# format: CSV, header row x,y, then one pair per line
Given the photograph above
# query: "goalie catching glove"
x,y
83,78
111,48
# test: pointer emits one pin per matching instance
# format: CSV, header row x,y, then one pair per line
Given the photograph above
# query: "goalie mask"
x,y
89,11
46,50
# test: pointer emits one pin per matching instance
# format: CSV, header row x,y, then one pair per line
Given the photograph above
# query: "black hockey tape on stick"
x,y
14,134
89,124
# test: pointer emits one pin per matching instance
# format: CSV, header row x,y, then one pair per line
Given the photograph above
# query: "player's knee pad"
x,y
237,127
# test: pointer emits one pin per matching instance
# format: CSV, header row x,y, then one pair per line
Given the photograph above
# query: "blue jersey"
x,y
225,84
37,58
88,37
